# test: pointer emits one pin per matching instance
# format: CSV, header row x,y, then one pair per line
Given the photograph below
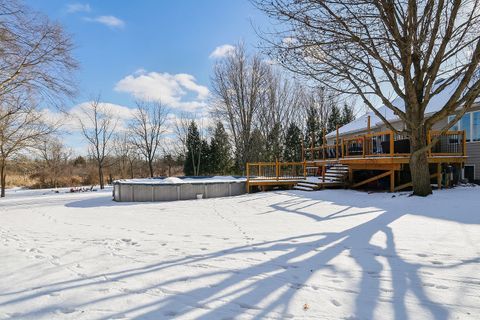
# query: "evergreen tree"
x,y
347,114
312,128
257,146
293,148
205,159
334,119
194,146
274,143
220,156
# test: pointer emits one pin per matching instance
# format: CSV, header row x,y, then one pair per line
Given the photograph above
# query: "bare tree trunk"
x,y
419,168
150,167
131,169
3,178
100,176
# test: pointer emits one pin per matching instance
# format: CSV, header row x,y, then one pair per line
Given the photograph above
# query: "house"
x,y
367,153
470,123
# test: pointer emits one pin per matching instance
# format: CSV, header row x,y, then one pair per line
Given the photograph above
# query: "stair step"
x,y
307,184
337,169
334,174
297,187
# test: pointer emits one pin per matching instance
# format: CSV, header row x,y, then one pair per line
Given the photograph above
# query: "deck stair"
x,y
337,173
306,186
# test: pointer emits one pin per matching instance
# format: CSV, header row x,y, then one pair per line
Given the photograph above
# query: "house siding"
x,y
473,153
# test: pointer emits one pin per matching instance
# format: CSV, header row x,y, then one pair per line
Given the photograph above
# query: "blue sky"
x,y
116,39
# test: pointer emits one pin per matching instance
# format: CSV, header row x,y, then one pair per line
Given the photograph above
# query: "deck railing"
x,y
386,144
276,171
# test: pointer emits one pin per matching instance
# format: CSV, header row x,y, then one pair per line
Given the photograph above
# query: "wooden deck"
x,y
385,153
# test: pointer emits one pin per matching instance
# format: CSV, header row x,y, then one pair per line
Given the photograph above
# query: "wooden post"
x,y
363,146
350,176
392,144
324,144
392,181
304,169
311,148
464,144
342,149
248,177
336,145
429,139
439,176
368,125
277,168
303,149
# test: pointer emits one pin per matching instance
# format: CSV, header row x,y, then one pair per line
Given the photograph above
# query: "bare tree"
x,y
414,49
35,54
280,105
147,129
55,157
19,131
98,125
238,83
125,153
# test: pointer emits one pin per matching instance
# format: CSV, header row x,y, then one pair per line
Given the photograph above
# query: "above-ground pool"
x,y
173,188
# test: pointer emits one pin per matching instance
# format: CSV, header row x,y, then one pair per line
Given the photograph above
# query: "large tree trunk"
x,y
150,167
419,163
3,178
100,177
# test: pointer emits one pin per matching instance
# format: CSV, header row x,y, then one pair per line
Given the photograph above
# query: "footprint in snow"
x,y
423,255
335,303
248,306
170,314
441,287
437,262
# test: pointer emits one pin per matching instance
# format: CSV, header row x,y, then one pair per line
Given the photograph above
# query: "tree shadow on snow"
x,y
266,288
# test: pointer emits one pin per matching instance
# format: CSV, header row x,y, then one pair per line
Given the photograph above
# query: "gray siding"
x,y
473,153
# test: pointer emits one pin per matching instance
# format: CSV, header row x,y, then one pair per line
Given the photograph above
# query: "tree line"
x,y
256,113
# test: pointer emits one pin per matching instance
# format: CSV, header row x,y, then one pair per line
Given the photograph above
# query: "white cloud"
x,y
70,119
109,21
179,91
78,7
222,51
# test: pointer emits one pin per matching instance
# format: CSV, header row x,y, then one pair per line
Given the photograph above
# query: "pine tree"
x,y
274,143
293,148
220,156
205,159
312,128
347,114
334,119
193,157
257,146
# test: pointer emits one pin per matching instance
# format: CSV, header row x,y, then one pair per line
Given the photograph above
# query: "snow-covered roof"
x,y
360,124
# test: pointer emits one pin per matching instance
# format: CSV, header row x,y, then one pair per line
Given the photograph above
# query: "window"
x,y
470,122
465,125
476,126
456,126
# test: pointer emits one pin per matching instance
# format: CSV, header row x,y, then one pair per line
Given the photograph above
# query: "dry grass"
x,y
16,180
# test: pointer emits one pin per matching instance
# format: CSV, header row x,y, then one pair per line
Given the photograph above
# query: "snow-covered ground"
x,y
333,254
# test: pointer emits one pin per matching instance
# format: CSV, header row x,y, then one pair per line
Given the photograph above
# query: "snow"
x,y
176,180
331,254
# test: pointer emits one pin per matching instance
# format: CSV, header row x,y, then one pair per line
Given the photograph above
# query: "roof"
x,y
360,124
